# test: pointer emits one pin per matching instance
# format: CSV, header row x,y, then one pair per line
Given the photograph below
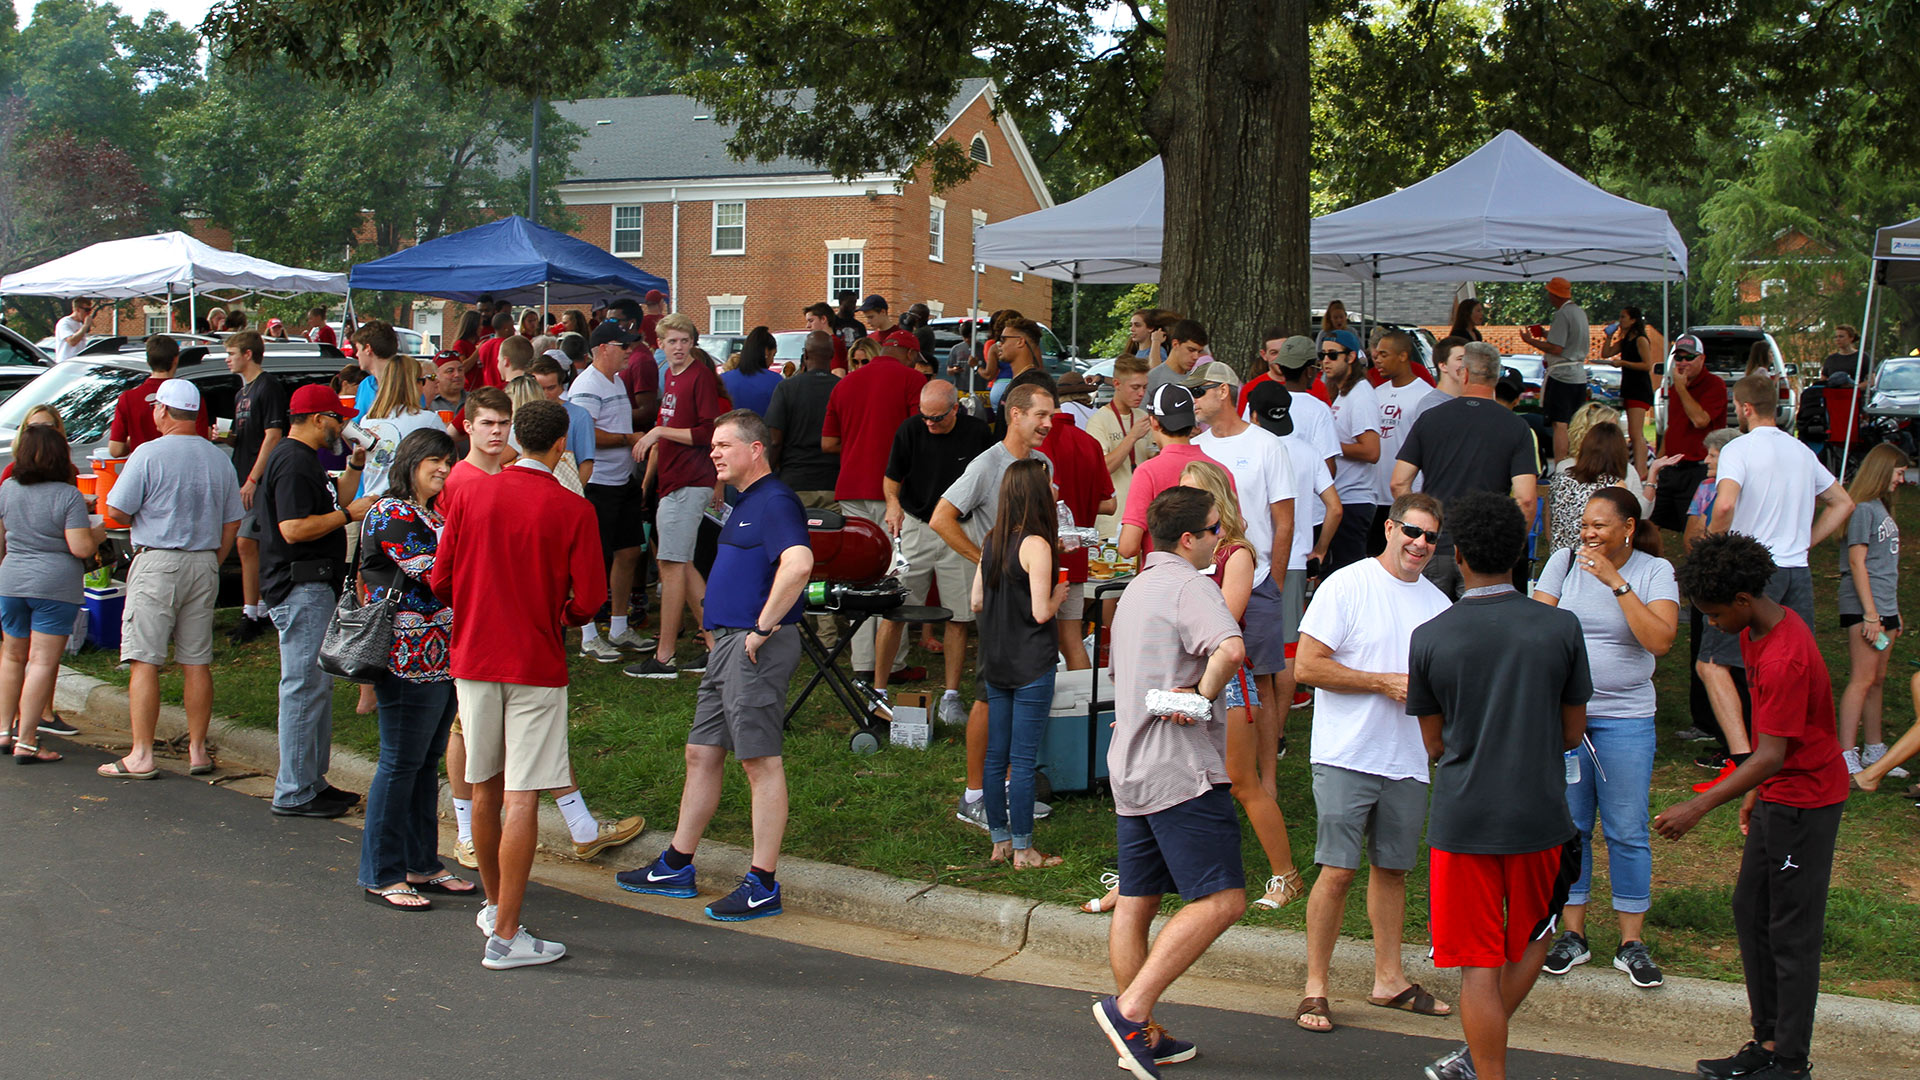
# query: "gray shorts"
x,y
1293,598
250,524
676,524
1266,628
1388,814
1719,648
1074,607
1445,573
743,704
170,597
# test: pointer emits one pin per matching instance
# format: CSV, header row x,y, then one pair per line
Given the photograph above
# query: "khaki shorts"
x,y
517,730
931,559
170,597
1074,607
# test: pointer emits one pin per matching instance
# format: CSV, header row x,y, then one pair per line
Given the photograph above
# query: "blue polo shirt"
x,y
766,521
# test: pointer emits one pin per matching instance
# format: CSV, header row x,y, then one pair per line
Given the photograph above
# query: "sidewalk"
x,y
1685,1009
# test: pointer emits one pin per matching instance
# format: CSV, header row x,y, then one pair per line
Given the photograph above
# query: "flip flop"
x,y
384,897
1046,862
1413,999
118,770
439,886
1313,1006
201,770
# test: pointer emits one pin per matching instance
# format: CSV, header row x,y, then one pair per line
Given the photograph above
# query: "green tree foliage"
x,y
89,69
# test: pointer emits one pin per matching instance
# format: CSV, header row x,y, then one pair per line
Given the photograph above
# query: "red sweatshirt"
x,y
519,562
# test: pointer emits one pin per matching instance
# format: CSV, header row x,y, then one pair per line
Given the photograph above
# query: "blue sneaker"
x,y
1130,1040
751,900
658,879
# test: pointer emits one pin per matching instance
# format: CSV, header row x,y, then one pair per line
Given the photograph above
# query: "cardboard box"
x,y
912,725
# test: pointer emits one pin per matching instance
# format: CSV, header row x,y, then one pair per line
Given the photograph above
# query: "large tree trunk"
x,y
1230,120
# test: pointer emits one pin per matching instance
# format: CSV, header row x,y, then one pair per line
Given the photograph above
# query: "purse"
x,y
359,639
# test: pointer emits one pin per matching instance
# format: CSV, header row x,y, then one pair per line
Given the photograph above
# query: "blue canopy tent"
x,y
514,259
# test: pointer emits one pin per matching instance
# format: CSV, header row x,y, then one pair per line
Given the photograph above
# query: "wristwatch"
x,y
764,633
1625,588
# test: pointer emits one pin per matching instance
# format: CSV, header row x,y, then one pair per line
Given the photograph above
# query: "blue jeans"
x,y
403,802
1016,722
306,693
1625,749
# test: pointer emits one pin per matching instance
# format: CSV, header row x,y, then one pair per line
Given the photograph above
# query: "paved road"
x,y
172,929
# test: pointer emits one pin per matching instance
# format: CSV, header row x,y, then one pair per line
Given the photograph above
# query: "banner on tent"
x,y
1906,245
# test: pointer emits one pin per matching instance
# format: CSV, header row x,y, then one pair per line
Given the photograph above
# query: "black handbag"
x,y
359,641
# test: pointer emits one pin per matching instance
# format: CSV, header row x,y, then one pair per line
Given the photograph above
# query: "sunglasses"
x,y
1213,528
1415,532
1333,354
937,417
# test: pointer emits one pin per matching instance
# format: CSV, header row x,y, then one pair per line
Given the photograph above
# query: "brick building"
x,y
749,243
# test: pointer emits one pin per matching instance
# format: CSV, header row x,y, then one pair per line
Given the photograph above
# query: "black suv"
x,y
21,362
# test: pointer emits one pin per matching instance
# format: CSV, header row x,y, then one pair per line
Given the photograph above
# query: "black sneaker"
x,y
340,795
246,630
1712,760
1456,1065
1749,1061
1634,959
652,668
1569,950
1694,734
1780,1070
696,664
317,807
54,725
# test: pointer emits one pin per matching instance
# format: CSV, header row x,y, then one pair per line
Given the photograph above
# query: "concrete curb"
x,y
1691,1009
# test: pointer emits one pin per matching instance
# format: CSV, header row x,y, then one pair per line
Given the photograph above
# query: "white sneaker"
x,y
952,711
1874,752
602,650
1852,754
629,639
524,950
484,919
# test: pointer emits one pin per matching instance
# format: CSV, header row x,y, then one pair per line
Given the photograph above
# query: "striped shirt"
x,y
1168,623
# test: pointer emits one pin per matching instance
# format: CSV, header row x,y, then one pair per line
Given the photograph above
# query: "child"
x,y
1869,604
1794,786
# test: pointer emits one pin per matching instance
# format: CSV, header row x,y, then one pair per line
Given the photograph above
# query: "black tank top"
x,y
1635,386
1015,650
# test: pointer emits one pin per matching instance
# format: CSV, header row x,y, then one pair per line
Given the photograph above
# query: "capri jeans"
x,y
1016,722
403,803
1625,751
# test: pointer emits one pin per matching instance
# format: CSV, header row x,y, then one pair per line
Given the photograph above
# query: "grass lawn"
x,y
893,812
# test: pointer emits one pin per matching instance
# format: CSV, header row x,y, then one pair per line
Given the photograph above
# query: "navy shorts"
x,y
1192,848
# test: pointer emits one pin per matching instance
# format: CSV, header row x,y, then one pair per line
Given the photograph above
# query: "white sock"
x,y
463,819
588,632
251,611
954,694
579,819
617,625
973,794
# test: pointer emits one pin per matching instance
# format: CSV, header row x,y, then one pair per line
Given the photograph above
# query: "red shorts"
x,y
1632,404
1485,910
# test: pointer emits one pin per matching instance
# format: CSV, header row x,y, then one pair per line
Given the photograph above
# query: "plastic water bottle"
x,y
1073,537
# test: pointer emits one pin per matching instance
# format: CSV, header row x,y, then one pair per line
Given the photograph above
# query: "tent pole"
x,y
533,167
973,327
543,303
1859,367
1074,334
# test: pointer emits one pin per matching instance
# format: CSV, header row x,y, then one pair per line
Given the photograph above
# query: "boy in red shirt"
x,y
1794,786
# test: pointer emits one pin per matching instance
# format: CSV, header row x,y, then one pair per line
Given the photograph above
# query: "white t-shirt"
x,y
1356,412
1779,478
1366,617
388,431
63,330
1262,475
606,401
1313,429
1310,478
1397,405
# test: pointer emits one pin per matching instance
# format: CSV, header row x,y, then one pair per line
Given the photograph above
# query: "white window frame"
x,y
742,226
847,245
937,230
936,309
164,319
734,307
615,229
1018,275
980,140
1770,287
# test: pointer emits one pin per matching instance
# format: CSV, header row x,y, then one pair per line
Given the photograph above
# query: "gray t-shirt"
x,y
1622,668
1569,330
37,516
1872,526
179,491
977,493
1160,375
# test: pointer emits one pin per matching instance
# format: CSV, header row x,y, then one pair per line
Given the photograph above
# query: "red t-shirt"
x,y
863,412
1155,475
1319,390
463,474
486,367
690,400
648,333
322,335
1682,437
482,565
1080,472
642,373
1246,392
1419,372
133,416
1793,700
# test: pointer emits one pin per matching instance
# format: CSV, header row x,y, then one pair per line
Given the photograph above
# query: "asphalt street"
x,y
175,929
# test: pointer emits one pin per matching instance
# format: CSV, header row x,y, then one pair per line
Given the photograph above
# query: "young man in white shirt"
x,y
1769,485
1398,397
617,502
70,333
1369,758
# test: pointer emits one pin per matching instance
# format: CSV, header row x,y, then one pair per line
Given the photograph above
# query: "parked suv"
x,y
948,332
1727,350
21,362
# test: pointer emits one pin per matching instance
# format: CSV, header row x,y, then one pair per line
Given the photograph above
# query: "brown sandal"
x,y
1414,1000
1313,1006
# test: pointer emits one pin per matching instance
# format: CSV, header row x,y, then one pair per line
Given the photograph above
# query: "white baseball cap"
x,y
178,394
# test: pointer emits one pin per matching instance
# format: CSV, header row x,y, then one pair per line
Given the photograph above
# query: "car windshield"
x,y
83,394
1899,377
788,344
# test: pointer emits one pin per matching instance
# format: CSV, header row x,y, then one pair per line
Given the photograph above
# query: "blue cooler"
x,y
104,608
1073,755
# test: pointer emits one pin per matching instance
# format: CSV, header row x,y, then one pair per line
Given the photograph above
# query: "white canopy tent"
x,y
170,266
1896,261
1111,234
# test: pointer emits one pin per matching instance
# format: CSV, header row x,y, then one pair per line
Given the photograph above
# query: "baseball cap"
x,y
655,296
1560,287
1172,405
1689,344
1348,340
178,394
1513,381
1272,407
1297,352
1210,374
611,331
874,302
314,398
899,339
600,304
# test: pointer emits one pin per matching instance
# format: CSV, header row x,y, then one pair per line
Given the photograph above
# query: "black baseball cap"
x,y
611,330
1271,406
